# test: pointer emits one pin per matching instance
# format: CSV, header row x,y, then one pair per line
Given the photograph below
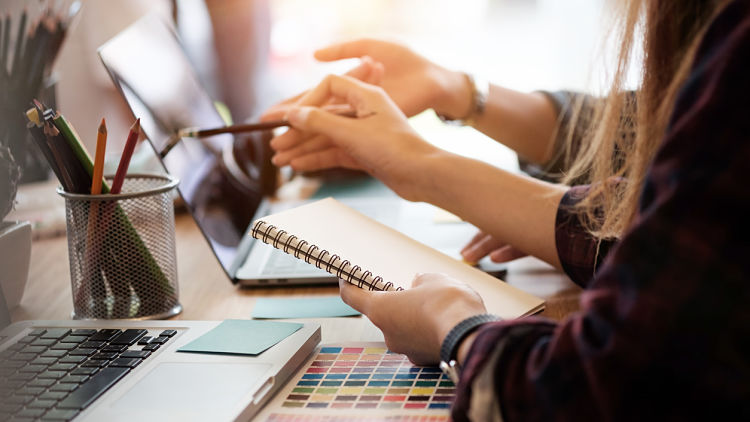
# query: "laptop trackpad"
x,y
207,391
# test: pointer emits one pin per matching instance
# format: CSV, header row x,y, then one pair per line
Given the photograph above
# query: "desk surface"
x,y
206,293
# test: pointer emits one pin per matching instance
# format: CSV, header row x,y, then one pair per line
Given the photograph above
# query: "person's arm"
x,y
663,324
525,122
517,208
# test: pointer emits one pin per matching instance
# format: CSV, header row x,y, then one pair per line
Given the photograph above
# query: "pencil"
x,y
93,236
249,127
127,154
101,146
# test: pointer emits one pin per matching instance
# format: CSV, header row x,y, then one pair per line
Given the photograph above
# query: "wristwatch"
x,y
449,348
480,90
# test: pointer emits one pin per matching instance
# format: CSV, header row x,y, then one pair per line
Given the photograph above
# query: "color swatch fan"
x,y
363,382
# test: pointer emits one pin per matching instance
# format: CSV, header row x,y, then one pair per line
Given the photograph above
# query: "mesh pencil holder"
x,y
122,251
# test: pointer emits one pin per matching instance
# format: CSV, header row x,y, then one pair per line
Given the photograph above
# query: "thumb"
x,y
316,120
355,297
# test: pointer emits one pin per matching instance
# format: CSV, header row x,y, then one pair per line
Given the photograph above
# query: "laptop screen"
x,y
148,65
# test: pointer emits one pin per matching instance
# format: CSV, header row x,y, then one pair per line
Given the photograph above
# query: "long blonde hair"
x,y
622,135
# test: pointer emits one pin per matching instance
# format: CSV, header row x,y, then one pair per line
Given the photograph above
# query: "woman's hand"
x,y
413,82
379,140
416,321
483,244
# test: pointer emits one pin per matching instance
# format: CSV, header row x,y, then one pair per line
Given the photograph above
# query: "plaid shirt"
x,y
664,327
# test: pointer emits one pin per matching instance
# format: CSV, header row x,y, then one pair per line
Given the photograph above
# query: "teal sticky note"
x,y
241,337
312,307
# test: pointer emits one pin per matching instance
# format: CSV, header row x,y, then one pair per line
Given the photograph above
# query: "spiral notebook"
x,y
371,255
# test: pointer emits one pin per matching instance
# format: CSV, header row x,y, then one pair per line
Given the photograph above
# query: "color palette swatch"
x,y
355,418
365,382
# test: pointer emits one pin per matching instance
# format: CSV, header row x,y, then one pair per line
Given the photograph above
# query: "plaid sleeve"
x,y
579,252
564,103
664,325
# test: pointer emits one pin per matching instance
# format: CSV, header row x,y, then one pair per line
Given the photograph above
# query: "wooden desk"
x,y
206,294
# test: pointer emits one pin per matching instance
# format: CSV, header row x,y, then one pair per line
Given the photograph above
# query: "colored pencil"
x,y
127,154
93,236
101,146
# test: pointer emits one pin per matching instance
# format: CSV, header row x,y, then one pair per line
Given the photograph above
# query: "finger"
x,y
480,249
315,120
289,139
279,110
359,299
506,253
316,143
354,91
368,71
363,69
326,159
474,240
375,77
345,50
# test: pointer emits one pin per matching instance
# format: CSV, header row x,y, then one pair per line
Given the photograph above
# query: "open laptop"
x,y
101,371
150,68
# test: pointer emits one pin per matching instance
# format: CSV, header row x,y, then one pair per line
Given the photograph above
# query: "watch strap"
x,y
480,90
449,348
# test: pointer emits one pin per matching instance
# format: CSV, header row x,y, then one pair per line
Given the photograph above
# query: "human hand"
x,y
368,71
416,321
413,82
379,141
483,244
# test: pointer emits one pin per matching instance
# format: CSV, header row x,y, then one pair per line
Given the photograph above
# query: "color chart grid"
x,y
364,382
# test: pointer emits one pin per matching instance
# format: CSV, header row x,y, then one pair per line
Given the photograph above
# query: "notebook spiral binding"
x,y
321,258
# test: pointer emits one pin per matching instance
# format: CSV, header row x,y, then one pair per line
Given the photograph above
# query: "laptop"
x,y
225,194
130,371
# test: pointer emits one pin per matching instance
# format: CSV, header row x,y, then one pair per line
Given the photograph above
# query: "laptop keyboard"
x,y
55,373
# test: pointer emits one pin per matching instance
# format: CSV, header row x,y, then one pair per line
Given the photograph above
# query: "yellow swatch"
x,y
350,391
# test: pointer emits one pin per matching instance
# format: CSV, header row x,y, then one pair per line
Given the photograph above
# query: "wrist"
x,y
464,347
455,94
422,175
456,344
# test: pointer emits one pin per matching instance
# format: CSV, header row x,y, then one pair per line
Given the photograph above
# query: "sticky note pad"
x,y
241,337
312,307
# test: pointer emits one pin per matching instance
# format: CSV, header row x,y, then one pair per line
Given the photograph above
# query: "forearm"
x,y
525,122
518,209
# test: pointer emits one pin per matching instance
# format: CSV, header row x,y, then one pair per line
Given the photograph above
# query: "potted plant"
x,y
15,237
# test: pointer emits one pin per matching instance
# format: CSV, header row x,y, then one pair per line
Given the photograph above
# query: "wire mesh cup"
x,y
122,251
